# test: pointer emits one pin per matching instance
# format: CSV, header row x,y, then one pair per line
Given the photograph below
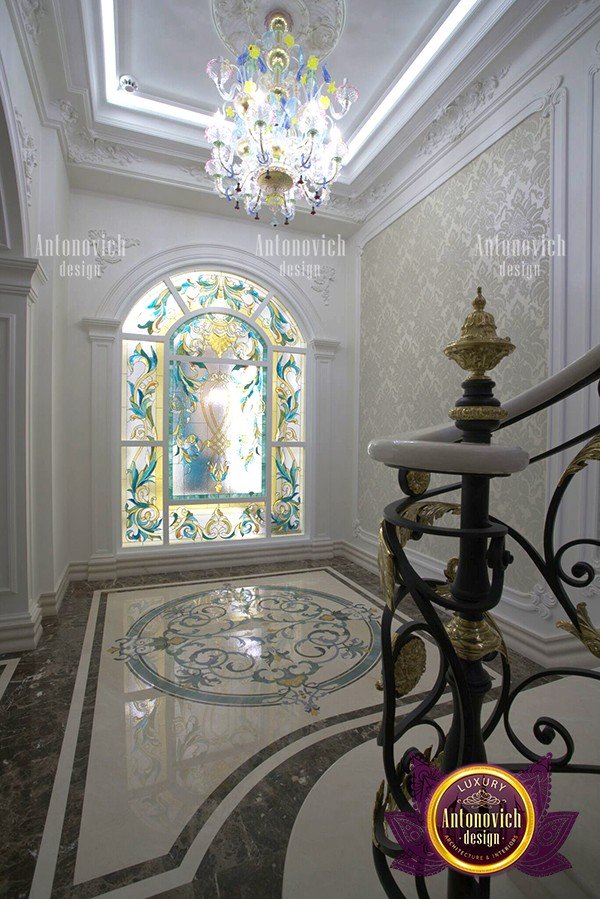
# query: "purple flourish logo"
x,y
480,819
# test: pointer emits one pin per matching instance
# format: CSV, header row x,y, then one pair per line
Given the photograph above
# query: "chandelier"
x,y
275,141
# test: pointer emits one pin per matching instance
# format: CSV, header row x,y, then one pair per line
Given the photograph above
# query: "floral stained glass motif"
x,y
214,372
142,390
201,290
216,522
288,397
217,428
142,495
155,313
286,513
217,335
279,325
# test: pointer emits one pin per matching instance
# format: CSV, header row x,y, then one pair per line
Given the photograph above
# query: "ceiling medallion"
x,y
275,140
317,24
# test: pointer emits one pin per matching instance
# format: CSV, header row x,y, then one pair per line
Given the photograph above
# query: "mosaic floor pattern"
x,y
178,728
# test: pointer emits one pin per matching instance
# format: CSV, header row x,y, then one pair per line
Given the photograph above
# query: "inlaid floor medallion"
x,y
252,645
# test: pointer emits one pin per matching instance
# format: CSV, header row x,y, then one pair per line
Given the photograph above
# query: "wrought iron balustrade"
x,y
456,612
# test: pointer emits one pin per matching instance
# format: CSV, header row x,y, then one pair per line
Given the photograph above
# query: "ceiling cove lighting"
x,y
275,140
419,63
133,100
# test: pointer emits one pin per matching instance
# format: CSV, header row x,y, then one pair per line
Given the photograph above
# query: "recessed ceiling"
x,y
402,55
167,50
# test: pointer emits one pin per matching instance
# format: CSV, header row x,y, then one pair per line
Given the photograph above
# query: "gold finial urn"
x,y
479,349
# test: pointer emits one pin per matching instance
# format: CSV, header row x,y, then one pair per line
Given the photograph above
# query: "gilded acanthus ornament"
x,y
588,633
479,349
590,452
424,513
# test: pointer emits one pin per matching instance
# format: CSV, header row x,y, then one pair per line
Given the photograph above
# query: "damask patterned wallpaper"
x,y
418,279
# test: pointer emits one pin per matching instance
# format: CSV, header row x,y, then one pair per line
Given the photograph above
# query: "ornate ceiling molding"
x,y
452,121
198,174
84,147
358,208
29,154
109,248
32,13
317,24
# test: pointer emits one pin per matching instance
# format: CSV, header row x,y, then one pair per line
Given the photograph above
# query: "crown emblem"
x,y
481,797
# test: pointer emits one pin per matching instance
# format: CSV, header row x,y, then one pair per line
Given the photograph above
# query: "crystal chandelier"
x,y
275,140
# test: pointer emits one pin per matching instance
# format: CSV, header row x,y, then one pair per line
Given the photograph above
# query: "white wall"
x,y
40,487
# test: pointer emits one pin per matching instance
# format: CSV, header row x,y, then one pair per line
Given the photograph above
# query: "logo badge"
x,y
480,819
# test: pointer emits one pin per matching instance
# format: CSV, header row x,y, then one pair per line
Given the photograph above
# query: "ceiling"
x,y
167,51
150,144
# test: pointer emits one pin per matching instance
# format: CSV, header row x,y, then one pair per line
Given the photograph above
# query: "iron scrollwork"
x,y
471,636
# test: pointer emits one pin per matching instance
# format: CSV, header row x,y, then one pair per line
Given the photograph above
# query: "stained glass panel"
x,y
288,397
155,313
217,430
218,426
215,335
287,513
142,390
142,495
200,290
216,522
279,325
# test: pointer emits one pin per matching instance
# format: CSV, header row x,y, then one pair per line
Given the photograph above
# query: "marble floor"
x,y
175,735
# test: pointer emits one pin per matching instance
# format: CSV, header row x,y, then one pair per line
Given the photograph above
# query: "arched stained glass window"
x,y
212,425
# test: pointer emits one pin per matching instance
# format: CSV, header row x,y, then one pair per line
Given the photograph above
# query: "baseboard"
x,y
548,650
161,561
20,632
51,602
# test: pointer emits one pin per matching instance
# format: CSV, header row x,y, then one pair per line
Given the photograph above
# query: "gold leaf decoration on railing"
x,y
387,569
409,666
418,481
421,513
424,513
475,639
377,808
586,631
590,452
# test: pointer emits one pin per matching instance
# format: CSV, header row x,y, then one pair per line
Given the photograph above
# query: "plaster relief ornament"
x,y
275,141
29,155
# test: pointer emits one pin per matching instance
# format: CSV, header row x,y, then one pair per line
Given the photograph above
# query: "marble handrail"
x,y
438,448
